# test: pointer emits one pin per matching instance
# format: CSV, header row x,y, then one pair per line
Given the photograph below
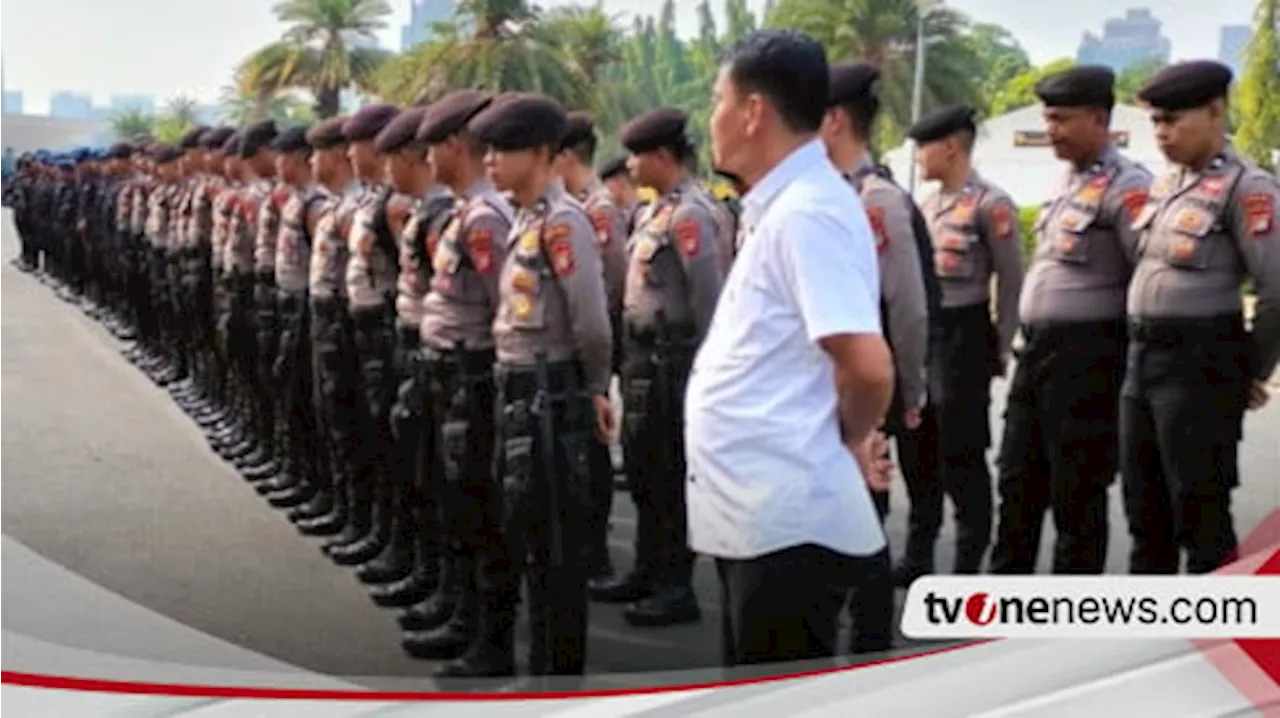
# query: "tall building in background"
x,y
1232,42
143,103
422,15
71,105
1125,41
12,102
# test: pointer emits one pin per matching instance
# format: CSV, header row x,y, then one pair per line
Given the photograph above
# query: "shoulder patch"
x,y
1259,213
563,263
875,215
688,236
557,232
1133,201
1002,220
480,247
601,221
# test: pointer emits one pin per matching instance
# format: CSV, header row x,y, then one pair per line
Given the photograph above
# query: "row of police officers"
x,y
401,326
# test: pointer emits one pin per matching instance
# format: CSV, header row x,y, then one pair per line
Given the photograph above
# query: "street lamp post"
x,y
923,8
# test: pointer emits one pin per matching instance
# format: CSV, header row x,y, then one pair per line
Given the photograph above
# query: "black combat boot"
x,y
437,608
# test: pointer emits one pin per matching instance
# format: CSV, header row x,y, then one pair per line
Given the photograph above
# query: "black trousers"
x,y
291,373
336,386
415,440
545,500
960,390
785,606
653,439
1059,447
1181,416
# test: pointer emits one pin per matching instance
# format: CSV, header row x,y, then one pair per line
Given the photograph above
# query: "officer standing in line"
x,y
573,167
622,191
184,391
906,266
554,350
672,285
1059,446
120,187
372,273
135,258
298,443
910,296
975,233
457,350
362,541
212,216
332,354
257,165
411,176
200,274
160,213
1193,368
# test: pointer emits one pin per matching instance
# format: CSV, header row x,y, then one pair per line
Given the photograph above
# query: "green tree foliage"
x,y
1258,90
883,32
326,48
133,124
999,54
1020,91
1132,78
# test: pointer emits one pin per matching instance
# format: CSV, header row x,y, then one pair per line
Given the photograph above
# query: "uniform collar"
x,y
477,188
593,186
758,198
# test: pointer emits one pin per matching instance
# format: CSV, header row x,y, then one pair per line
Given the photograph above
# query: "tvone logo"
x,y
980,609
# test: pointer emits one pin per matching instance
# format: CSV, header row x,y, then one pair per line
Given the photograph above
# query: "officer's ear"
x,y
1218,109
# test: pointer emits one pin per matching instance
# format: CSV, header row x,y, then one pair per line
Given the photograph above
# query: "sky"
x,y
170,47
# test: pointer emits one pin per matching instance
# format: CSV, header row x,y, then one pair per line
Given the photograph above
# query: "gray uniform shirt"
x,y
466,263
902,289
159,210
611,234
420,235
371,270
675,263
975,235
268,231
1201,234
329,249
552,295
242,233
1085,244
293,248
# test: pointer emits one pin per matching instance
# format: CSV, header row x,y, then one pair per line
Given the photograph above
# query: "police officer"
x,y
974,226
160,223
554,349
185,391
410,175
672,284
1059,447
573,166
333,358
369,529
457,339
1193,368
213,214
313,182
616,179
372,273
909,293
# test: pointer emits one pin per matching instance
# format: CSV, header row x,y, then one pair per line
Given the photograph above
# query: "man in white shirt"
x,y
793,377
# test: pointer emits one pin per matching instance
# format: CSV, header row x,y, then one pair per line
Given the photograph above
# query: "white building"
x,y
1013,152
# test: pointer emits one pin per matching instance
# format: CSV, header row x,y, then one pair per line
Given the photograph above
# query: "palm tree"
x,y
326,49
133,124
183,110
883,32
497,45
593,44
238,108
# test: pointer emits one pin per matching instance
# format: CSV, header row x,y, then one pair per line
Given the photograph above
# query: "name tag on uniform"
x,y
1192,221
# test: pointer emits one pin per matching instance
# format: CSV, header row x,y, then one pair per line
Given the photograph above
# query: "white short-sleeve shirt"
x,y
767,469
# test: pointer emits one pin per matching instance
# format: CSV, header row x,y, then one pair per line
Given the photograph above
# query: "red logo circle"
x,y
980,609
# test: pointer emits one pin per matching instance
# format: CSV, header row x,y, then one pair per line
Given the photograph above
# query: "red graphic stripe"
x,y
67,683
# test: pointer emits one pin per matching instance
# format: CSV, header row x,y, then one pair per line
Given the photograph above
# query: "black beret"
x,y
655,129
164,153
231,145
191,138
614,167
400,132
368,121
327,133
120,151
1080,86
256,137
215,138
1186,85
943,124
292,139
450,114
579,127
520,121
851,81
